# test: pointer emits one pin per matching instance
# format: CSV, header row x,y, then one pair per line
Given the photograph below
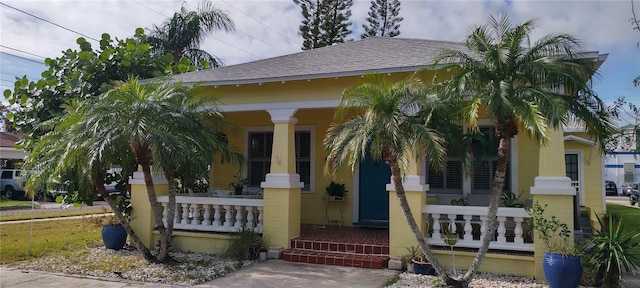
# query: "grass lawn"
x,y
630,216
40,215
49,237
4,202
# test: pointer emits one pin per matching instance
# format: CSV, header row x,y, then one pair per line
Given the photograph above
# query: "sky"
x,y
270,28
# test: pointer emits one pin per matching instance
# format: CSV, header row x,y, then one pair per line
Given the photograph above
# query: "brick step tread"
x,y
338,259
341,247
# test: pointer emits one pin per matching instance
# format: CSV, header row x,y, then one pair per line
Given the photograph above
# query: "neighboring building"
x,y
10,157
623,164
283,107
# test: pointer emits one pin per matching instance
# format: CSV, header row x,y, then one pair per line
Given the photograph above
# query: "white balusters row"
x,y
466,218
214,214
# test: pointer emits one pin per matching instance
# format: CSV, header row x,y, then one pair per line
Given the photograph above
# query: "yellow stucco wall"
x,y
592,181
527,156
493,262
142,220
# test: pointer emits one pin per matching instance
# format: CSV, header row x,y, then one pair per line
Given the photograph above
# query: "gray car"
x,y
628,187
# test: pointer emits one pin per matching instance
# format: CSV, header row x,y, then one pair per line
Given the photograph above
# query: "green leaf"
x,y
7,94
80,40
139,31
85,55
85,46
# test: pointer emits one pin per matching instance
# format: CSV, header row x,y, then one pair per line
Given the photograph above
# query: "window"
x,y
451,180
448,180
484,171
259,157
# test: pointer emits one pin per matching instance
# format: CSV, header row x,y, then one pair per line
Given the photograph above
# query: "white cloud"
x,y
269,28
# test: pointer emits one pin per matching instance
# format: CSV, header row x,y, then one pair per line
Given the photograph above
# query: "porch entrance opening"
x,y
374,197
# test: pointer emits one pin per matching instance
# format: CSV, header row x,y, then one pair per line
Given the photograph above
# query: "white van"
x,y
10,183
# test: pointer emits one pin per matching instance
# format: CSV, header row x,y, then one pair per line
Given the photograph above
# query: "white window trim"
x,y
298,128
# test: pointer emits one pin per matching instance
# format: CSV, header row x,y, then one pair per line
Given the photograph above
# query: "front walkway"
x,y
278,273
272,273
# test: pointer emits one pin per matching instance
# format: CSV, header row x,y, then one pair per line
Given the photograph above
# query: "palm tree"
x,y
158,124
535,87
182,34
395,123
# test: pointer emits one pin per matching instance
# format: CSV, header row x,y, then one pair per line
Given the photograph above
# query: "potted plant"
x,y
239,184
562,266
421,264
510,200
263,249
408,259
114,236
336,191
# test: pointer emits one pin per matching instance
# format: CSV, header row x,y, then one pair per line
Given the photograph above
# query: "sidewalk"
x,y
17,278
272,273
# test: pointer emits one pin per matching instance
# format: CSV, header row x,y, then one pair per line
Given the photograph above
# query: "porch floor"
x,y
371,236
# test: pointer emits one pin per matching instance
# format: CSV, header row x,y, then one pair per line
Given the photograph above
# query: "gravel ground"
x,y
481,280
189,268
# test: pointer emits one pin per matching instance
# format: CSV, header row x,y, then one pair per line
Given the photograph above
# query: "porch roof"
x,y
374,54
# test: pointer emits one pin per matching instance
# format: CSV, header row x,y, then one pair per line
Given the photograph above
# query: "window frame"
x,y
467,180
298,128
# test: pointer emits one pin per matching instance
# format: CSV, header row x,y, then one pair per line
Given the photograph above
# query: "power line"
x,y
229,44
52,23
22,51
145,6
263,24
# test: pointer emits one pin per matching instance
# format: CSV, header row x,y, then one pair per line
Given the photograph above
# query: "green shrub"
x,y
610,250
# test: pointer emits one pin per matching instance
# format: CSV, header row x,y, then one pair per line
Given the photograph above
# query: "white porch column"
x,y
282,185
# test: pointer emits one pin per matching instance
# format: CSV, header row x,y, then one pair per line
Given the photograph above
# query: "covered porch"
x,y
285,204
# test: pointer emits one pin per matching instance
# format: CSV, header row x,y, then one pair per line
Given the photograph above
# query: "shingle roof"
x,y
379,54
8,139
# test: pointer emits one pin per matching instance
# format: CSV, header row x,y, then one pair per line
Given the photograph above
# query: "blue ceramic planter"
x,y
423,268
114,236
562,271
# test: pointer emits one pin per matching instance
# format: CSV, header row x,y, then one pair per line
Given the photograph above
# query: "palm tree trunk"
x,y
171,206
98,182
504,147
406,210
157,214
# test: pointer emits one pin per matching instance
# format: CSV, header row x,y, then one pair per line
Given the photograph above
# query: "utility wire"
x,y
52,23
229,44
22,51
265,25
145,6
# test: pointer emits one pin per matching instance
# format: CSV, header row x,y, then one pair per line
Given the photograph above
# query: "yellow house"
x,y
283,107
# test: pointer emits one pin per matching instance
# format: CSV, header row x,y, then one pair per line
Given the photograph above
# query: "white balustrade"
x,y
510,233
214,214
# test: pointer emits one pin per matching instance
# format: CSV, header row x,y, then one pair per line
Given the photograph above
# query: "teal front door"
x,y
374,198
